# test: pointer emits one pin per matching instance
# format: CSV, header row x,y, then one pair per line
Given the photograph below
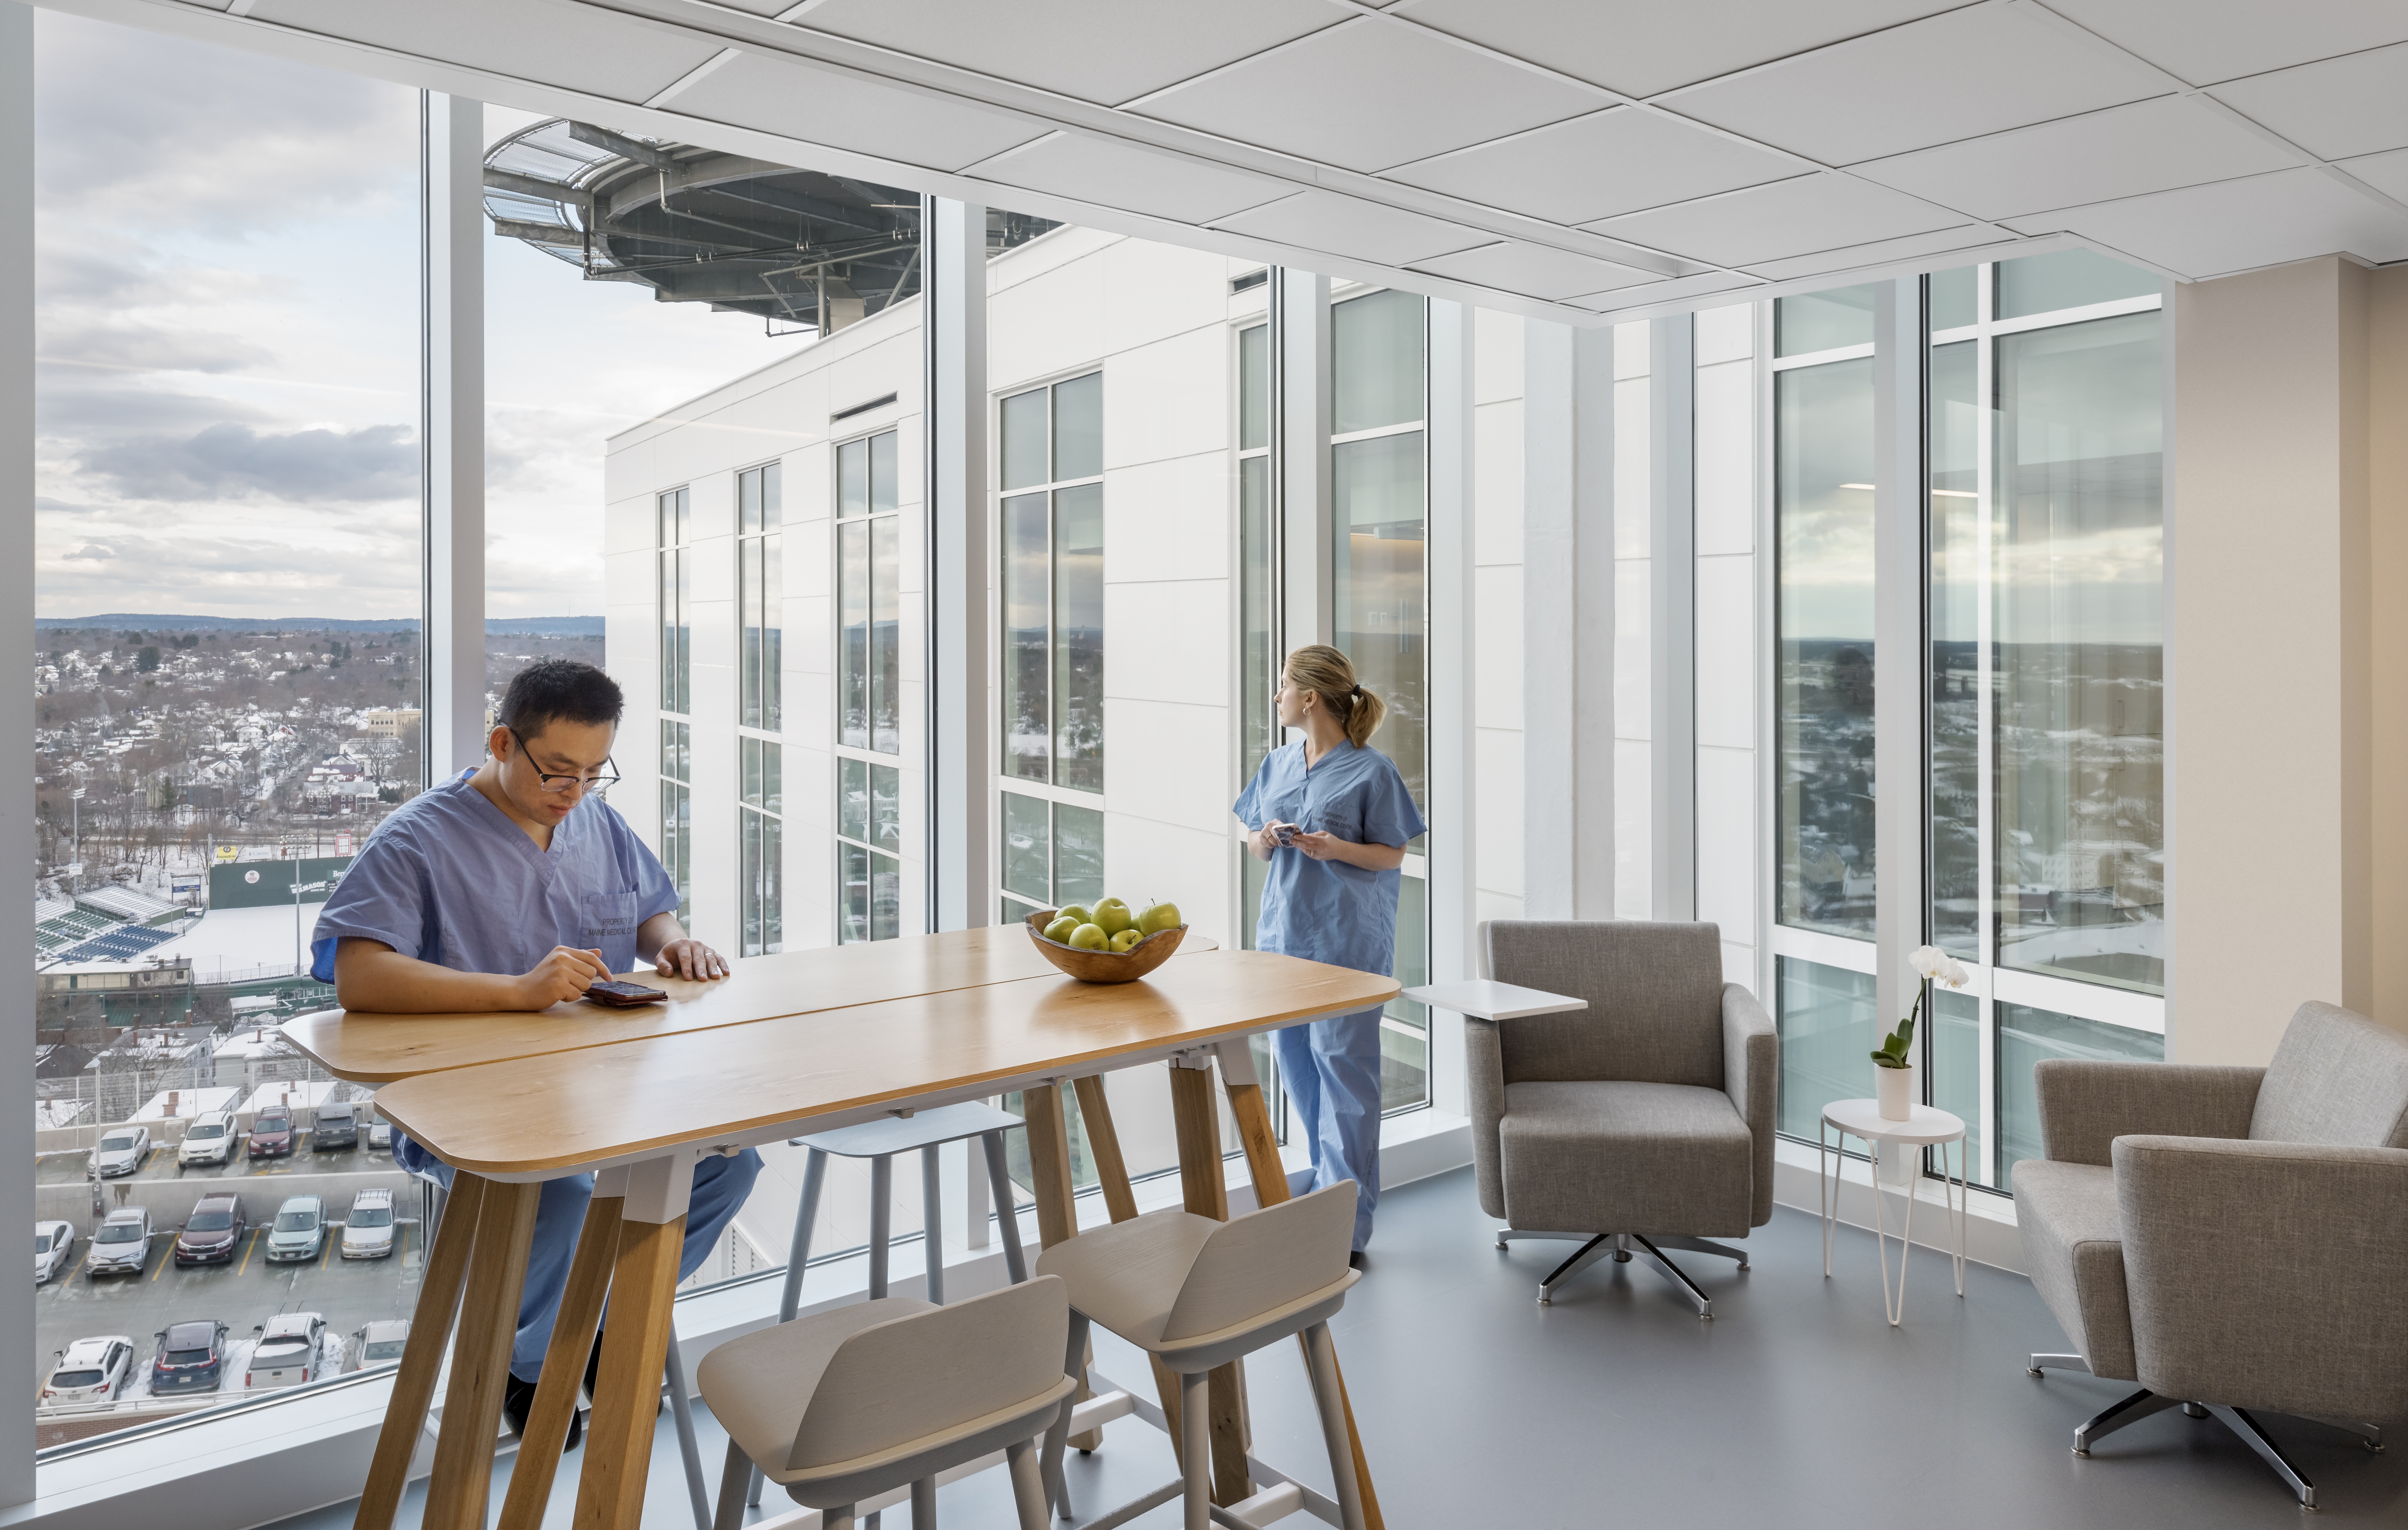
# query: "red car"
x,y
213,1232
271,1133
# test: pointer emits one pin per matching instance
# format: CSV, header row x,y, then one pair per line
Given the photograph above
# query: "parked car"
x,y
192,1358
209,1139
271,1133
337,1128
286,1354
123,1245
90,1370
53,1244
123,1150
375,1344
381,1136
213,1232
367,1232
299,1230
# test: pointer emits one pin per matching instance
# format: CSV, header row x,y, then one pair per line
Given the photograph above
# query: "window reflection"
x,y
1827,1029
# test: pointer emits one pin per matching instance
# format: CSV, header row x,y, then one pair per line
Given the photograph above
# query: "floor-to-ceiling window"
x,y
1051,463
673,515
1378,453
760,632
870,675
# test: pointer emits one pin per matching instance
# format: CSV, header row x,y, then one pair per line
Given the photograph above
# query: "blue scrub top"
x,y
449,879
1326,910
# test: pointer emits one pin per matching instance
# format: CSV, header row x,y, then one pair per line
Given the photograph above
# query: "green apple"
x,y
1059,931
1114,916
1075,914
1161,917
1127,941
1090,937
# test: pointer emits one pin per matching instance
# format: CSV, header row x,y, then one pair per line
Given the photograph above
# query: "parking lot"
x,y
248,1290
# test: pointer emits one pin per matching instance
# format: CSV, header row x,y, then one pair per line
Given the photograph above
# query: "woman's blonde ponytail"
x,y
1329,674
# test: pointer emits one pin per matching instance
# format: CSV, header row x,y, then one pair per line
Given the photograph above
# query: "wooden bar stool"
x,y
1195,1294
849,1403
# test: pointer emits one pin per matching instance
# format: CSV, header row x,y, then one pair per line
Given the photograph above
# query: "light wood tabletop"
x,y
379,1049
551,1113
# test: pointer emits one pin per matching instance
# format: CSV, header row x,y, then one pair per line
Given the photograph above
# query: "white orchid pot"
x,y
1893,1091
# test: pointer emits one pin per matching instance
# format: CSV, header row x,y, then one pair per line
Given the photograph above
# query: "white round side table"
x,y
1925,1127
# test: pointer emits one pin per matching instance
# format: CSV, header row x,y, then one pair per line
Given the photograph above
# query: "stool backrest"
x,y
1260,1262
918,1376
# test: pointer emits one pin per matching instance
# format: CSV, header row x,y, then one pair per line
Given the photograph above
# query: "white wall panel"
x,y
1630,693
1727,841
1144,859
1634,871
1725,334
1168,762
1500,756
1726,459
1498,695
1497,499
1168,399
1168,519
1168,642
1630,463
1726,653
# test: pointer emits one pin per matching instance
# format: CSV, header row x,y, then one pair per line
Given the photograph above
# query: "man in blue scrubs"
x,y
513,886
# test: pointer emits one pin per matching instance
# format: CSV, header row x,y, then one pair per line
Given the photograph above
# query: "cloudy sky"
x,y
226,295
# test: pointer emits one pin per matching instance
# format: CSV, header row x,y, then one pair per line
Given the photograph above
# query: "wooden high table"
x,y
802,1042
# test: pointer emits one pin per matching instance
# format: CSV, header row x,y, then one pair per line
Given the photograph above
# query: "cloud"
x,y
87,412
235,461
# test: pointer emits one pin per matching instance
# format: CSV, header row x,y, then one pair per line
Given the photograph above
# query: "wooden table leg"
x,y
1120,1199
421,1357
1056,1191
1271,1188
564,1366
1198,1125
480,1357
634,1347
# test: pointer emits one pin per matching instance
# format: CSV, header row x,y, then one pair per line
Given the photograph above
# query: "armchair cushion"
x,y
1632,1157
2336,1078
2073,1244
2086,1105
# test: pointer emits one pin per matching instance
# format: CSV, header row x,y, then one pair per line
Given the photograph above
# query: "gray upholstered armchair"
x,y
1646,1119
2231,1237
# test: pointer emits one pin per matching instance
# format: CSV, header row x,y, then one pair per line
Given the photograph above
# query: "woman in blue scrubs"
x,y
1332,817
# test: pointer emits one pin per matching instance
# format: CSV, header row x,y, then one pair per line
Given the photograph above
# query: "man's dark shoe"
x,y
518,1401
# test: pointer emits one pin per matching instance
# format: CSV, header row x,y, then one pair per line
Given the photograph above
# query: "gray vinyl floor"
x,y
1798,1406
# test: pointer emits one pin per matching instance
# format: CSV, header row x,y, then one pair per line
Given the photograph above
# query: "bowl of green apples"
x,y
1110,943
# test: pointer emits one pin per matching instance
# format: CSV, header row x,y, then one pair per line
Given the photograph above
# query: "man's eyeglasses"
x,y
556,784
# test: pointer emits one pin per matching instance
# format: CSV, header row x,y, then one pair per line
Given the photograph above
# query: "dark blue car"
x,y
192,1358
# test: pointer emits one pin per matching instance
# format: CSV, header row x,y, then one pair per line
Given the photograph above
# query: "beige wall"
x,y
2285,682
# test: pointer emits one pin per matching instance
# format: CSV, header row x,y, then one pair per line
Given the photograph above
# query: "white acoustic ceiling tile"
x,y
1126,175
1347,226
2342,107
1102,51
1786,217
2150,146
1611,162
1983,69
1640,47
789,97
1675,290
2386,173
1534,270
2207,41
579,46
1367,96
1917,246
2237,225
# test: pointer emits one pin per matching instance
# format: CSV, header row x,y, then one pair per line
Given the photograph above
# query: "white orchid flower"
x,y
1937,965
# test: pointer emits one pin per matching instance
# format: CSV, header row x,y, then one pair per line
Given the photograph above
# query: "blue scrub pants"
x,y
719,1186
1330,1069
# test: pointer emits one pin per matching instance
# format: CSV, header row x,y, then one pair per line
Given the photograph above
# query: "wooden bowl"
x,y
1105,967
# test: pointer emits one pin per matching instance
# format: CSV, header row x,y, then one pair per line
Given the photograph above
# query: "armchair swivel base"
x,y
1619,1245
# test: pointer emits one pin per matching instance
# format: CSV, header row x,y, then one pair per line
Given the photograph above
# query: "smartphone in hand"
x,y
623,995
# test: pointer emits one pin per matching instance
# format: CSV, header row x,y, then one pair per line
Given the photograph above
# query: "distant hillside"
x,y
545,627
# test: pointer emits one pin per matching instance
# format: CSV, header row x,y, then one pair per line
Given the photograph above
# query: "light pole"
x,y
300,887
75,837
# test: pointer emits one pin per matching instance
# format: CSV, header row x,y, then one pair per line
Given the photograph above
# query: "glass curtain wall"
x,y
760,630
1378,456
2045,860
1051,455
673,514
869,531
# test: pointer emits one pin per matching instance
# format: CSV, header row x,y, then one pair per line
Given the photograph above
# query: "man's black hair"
x,y
551,688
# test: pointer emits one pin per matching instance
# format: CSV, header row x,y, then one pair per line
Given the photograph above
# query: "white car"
x,y
377,1343
209,1139
90,1370
123,1245
381,1136
54,1244
286,1354
367,1232
123,1150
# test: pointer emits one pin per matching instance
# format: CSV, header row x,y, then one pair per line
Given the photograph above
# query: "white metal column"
x,y
451,428
952,297
17,1356
1672,381
1308,603
1454,765
1900,755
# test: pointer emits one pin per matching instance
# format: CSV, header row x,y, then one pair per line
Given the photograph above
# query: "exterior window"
x,y
677,811
869,635
760,594
676,523
760,831
1258,725
1377,448
1053,584
1053,855
869,882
